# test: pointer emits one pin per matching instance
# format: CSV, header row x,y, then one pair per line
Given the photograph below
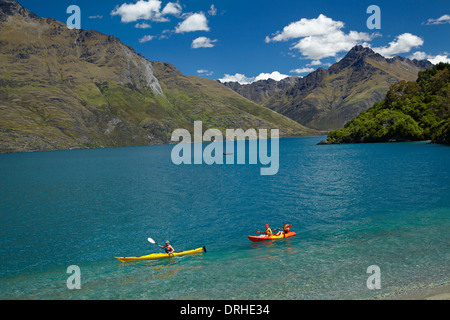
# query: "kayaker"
x,y
168,248
268,231
285,229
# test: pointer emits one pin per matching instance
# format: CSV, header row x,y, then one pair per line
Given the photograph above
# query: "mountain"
x,y
327,99
412,111
260,91
64,88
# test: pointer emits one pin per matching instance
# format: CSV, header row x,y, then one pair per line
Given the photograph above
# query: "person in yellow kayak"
x,y
167,247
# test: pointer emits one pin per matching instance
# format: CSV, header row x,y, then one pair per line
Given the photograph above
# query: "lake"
x,y
352,206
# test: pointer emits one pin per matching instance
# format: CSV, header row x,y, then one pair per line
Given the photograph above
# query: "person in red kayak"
x,y
286,228
268,231
168,248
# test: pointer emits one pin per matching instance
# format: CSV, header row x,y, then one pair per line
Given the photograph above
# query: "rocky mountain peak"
x,y
356,56
13,8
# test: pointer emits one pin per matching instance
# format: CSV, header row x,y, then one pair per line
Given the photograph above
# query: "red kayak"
x,y
271,237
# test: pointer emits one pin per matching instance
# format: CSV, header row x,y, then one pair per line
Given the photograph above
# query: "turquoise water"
x,y
352,206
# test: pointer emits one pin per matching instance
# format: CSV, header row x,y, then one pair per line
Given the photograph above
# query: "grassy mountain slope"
x,y
62,89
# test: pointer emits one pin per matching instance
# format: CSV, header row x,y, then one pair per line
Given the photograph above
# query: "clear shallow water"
x,y
352,206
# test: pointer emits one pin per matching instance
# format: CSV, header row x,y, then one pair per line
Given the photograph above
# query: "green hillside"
x,y
411,111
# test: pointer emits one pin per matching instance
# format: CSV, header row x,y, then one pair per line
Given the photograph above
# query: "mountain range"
x,y
64,88
327,99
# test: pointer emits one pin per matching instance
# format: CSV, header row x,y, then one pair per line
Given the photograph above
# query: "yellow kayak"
x,y
154,256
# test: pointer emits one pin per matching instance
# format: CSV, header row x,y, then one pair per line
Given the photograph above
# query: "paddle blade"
x,y
151,240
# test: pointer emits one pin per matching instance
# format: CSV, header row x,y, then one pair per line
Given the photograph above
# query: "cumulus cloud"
x,y
420,55
243,79
441,20
307,27
401,44
172,8
438,58
320,37
145,10
238,77
202,42
274,75
315,63
194,22
146,39
302,70
329,45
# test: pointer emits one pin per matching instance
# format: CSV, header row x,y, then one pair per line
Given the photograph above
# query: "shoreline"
x,y
145,145
430,292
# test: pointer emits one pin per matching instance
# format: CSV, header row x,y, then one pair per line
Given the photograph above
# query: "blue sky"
x,y
247,40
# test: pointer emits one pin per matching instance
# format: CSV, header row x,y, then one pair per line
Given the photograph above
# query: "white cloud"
x,y
194,22
302,70
202,42
438,58
441,20
321,37
243,79
172,8
142,25
238,77
420,55
315,63
403,43
274,75
146,10
146,38
329,45
307,27
205,72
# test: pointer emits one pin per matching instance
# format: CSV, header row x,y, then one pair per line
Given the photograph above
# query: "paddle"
x,y
152,241
257,231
